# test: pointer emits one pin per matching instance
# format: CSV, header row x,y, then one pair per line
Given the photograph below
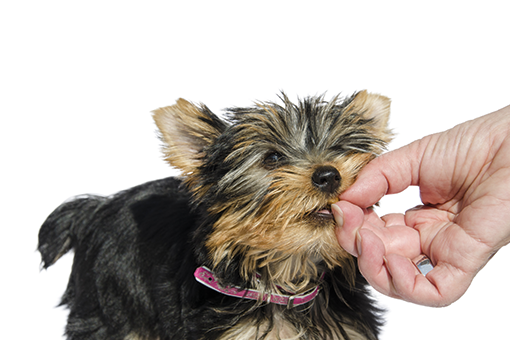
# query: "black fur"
x,y
133,269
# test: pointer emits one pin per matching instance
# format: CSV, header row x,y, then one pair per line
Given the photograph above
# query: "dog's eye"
x,y
272,160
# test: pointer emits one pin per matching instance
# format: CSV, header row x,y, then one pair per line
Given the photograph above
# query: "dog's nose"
x,y
327,179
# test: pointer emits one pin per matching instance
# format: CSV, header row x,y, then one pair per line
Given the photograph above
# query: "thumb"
x,y
390,173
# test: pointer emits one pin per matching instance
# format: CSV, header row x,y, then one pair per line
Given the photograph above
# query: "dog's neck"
x,y
206,277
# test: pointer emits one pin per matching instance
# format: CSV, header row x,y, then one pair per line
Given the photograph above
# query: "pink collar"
x,y
206,277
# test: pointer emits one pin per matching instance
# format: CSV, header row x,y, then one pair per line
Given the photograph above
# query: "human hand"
x,y
464,180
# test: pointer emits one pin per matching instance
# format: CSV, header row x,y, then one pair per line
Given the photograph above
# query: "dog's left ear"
x,y
186,130
376,108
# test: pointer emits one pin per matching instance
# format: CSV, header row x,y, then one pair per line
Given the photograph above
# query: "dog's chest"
x,y
282,330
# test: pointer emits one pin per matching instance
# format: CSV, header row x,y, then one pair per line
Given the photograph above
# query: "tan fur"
x,y
134,336
184,132
281,237
246,331
283,330
372,105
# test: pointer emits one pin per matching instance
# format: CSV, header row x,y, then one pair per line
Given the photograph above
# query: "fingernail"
x,y
358,242
338,214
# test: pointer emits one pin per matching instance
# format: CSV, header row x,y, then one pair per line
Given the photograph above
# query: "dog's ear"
x,y
376,108
186,129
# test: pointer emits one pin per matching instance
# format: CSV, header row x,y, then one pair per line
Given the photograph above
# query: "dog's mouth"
x,y
323,213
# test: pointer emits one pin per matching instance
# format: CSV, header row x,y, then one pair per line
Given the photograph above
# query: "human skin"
x,y
464,180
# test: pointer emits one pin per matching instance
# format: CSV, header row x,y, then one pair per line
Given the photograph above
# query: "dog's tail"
x,y
65,226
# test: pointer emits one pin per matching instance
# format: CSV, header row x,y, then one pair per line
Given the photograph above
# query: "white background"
x,y
78,81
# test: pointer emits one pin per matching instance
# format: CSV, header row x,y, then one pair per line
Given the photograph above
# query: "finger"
x,y
390,229
440,287
393,219
388,174
406,279
392,274
373,219
401,239
371,262
349,219
450,282
447,242
428,221
395,234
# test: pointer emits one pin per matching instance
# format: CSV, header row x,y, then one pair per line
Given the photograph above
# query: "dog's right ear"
x,y
186,130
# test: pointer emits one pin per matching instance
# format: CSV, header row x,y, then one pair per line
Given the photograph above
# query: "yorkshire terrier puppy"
x,y
243,246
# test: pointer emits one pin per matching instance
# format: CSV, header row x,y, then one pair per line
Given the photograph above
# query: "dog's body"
x,y
252,207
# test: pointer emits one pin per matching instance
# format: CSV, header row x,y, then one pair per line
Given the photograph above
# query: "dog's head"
x,y
268,174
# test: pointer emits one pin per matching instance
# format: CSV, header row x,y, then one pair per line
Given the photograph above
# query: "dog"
x,y
242,245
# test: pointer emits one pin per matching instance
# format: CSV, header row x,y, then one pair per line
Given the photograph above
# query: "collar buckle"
x,y
290,302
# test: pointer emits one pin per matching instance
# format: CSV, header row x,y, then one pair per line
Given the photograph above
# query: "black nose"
x,y
327,179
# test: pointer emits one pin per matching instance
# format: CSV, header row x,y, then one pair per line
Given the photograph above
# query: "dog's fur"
x,y
252,205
